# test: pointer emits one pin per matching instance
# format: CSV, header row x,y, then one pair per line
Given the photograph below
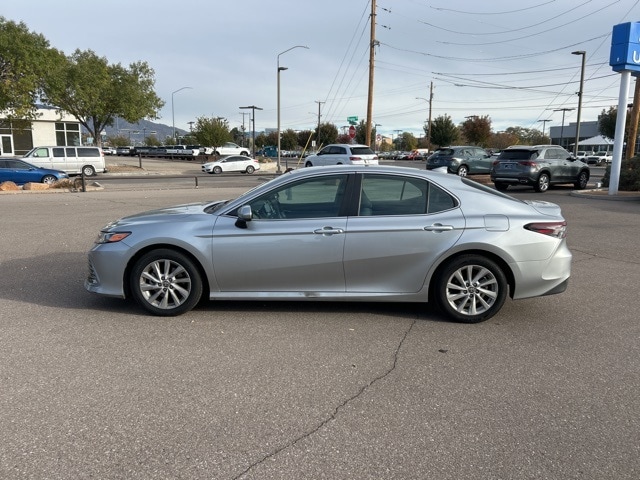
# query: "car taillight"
x,y
553,229
528,163
496,162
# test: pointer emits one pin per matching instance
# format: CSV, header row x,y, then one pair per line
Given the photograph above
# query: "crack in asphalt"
x,y
337,409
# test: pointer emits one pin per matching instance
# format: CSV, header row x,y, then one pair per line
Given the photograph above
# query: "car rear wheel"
x,y
250,169
217,170
471,289
165,283
463,171
542,184
501,186
308,164
582,181
48,179
88,171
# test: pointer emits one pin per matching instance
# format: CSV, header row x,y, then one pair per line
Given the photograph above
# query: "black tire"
x,y
463,171
582,181
217,169
165,283
542,183
88,171
48,179
308,164
246,154
470,289
501,186
250,169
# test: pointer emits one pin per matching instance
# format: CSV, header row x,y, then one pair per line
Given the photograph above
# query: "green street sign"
x,y
352,120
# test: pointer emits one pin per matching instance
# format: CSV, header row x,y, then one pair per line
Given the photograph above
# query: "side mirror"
x,y
244,215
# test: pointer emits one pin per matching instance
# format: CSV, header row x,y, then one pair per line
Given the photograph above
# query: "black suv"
x,y
539,166
461,160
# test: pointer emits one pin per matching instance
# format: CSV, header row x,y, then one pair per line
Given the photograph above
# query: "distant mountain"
x,y
138,131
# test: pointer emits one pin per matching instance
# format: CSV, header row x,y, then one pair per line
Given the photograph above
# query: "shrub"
x,y
629,175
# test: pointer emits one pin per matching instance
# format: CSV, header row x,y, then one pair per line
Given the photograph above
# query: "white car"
x,y
230,148
599,158
232,163
342,154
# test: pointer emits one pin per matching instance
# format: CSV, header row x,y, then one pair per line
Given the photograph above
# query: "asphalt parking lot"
x,y
94,388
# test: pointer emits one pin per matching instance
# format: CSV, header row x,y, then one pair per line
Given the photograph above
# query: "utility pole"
x,y
243,129
429,122
372,45
318,136
563,110
544,124
633,122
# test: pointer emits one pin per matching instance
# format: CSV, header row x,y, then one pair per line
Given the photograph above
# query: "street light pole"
x,y
173,116
584,54
279,170
563,110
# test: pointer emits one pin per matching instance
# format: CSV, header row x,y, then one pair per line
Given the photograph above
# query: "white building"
x,y
50,128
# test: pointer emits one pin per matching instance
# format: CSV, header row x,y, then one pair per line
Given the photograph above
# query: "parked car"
x,y
109,150
538,166
124,150
340,233
72,160
21,172
230,148
461,160
232,163
598,158
342,154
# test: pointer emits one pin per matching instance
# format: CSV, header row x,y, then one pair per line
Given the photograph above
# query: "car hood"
x,y
545,208
169,214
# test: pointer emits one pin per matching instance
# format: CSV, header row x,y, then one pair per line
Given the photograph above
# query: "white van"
x,y
72,160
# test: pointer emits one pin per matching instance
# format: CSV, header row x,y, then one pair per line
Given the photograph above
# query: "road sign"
x,y
352,131
352,120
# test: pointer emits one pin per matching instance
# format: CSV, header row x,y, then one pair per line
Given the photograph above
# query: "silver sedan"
x,y
351,233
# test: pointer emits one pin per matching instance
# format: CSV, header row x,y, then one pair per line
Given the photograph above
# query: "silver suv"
x,y
342,154
538,166
461,160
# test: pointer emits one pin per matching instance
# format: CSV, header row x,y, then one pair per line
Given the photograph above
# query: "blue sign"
x,y
625,47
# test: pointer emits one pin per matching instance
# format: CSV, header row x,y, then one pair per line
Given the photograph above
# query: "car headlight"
x,y
111,237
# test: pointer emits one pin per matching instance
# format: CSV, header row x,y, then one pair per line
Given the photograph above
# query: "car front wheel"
x,y
582,181
48,179
542,184
250,169
217,170
501,186
471,289
165,283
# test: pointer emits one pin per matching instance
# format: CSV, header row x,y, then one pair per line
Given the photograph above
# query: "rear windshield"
x,y
362,151
444,151
517,155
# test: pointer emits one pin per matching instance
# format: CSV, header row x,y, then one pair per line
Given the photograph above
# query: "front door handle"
x,y
328,231
438,227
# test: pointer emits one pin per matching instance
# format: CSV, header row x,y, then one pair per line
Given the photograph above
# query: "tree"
x,y
25,61
289,140
477,130
443,131
93,91
328,134
607,122
527,136
304,138
212,131
502,140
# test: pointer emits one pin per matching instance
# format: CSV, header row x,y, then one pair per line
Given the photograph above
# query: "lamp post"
x,y
173,116
279,170
253,119
584,55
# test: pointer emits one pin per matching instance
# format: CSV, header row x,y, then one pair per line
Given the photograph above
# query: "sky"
x,y
509,60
